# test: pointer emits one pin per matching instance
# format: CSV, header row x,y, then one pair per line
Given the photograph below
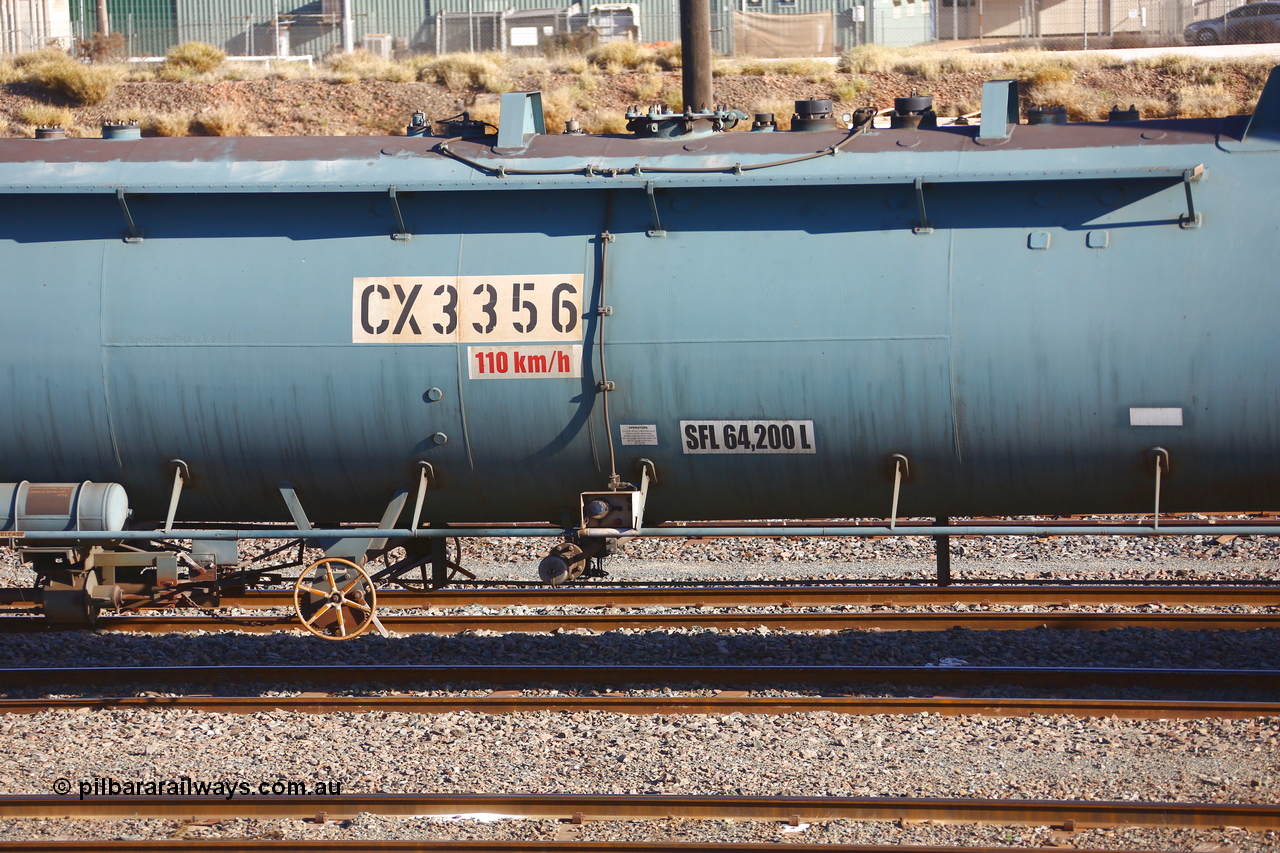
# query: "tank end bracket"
x,y
1265,120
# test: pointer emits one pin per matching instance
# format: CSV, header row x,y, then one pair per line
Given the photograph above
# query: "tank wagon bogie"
x,y
278,337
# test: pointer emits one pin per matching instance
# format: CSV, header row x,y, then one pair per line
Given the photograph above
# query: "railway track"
x,y
549,623
254,845
729,699
580,807
973,593
607,676
725,702
774,596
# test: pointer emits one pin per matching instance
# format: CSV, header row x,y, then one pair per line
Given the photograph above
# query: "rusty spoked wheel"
x,y
335,599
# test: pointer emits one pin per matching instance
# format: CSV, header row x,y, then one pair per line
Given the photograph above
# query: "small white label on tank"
x,y
1155,417
639,434
748,437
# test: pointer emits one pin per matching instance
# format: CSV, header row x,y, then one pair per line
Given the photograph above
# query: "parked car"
x,y
1253,22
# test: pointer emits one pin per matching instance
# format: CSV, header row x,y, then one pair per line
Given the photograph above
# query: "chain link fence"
x,y
783,28
1075,24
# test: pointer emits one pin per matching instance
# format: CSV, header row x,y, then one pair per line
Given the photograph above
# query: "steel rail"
x,y
619,807
970,593
879,529
597,622
724,703
767,596
729,677
256,845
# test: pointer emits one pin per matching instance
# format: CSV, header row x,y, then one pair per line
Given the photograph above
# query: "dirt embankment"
x,y
315,107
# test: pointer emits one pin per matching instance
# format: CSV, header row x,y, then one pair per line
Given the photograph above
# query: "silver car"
x,y
1253,22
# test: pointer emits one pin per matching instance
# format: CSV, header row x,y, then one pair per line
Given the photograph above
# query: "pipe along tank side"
x,y
991,319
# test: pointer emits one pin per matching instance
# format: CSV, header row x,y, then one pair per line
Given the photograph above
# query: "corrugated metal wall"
x,y
251,28
147,25
410,20
27,25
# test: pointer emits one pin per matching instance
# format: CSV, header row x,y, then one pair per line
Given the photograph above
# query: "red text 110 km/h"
x,y
524,362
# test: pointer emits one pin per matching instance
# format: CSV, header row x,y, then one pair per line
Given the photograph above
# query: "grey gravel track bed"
x,y
767,559
1241,693
810,754
1129,647
1123,647
815,754
367,826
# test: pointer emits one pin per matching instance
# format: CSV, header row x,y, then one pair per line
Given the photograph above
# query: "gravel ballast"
x,y
817,754
814,754
367,826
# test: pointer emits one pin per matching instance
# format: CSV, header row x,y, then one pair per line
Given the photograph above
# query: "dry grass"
x,y
1192,87
44,115
960,108
568,64
126,115
363,65
102,48
618,56
815,70
1205,101
924,67
611,123
191,58
849,91
1046,76
669,56
226,120
63,77
1082,103
1151,107
167,124
870,59
457,72
490,111
557,108
782,111
648,88
40,57
1180,64
721,67
932,64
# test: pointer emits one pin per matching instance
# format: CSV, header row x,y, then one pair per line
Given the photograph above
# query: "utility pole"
x,y
104,25
348,28
695,51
